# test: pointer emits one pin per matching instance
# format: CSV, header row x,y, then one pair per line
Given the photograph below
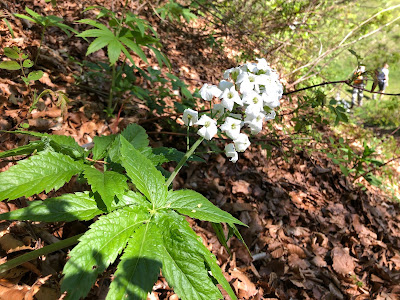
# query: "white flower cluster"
x,y
252,91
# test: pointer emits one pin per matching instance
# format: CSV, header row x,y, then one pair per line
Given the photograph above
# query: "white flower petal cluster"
x,y
251,91
208,91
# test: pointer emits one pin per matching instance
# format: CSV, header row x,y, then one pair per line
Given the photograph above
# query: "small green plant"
x,y
174,11
352,163
45,22
137,214
126,33
20,61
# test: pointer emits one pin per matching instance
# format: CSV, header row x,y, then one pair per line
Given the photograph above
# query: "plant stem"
x,y
183,160
110,96
40,45
35,254
187,139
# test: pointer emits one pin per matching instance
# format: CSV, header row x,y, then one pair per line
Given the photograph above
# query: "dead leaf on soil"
x,y
343,263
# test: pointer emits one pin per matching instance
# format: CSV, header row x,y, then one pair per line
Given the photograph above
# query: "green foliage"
x,y
174,11
144,223
383,112
46,21
353,163
9,28
45,171
127,32
20,61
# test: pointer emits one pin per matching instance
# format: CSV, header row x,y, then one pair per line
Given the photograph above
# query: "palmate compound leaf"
x,y
184,260
99,247
44,171
108,184
195,205
147,179
140,265
69,207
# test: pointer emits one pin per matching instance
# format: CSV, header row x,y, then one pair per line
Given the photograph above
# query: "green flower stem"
x,y
40,45
39,252
187,139
111,94
183,160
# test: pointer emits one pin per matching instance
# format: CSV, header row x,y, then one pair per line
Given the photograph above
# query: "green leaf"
x,y
35,75
93,23
9,28
98,248
32,13
66,145
219,231
27,63
143,174
160,57
96,33
195,205
26,18
174,155
131,197
11,53
102,145
139,267
10,65
108,184
67,208
114,50
134,134
24,150
134,47
45,171
98,43
183,263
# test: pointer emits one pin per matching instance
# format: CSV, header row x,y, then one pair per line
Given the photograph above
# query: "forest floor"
x,y
312,233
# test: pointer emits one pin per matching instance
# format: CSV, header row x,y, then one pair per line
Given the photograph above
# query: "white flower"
x,y
233,73
229,97
218,110
270,116
207,92
231,127
271,98
224,85
190,117
262,64
242,142
256,123
252,67
231,152
249,82
255,103
209,129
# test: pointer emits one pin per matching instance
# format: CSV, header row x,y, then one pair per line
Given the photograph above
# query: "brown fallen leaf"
x,y
295,261
319,261
241,186
343,263
294,249
278,252
243,285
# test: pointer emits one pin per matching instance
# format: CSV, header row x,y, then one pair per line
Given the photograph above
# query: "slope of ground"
x,y
312,234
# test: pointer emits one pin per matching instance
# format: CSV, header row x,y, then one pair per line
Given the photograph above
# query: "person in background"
x,y
358,86
383,79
